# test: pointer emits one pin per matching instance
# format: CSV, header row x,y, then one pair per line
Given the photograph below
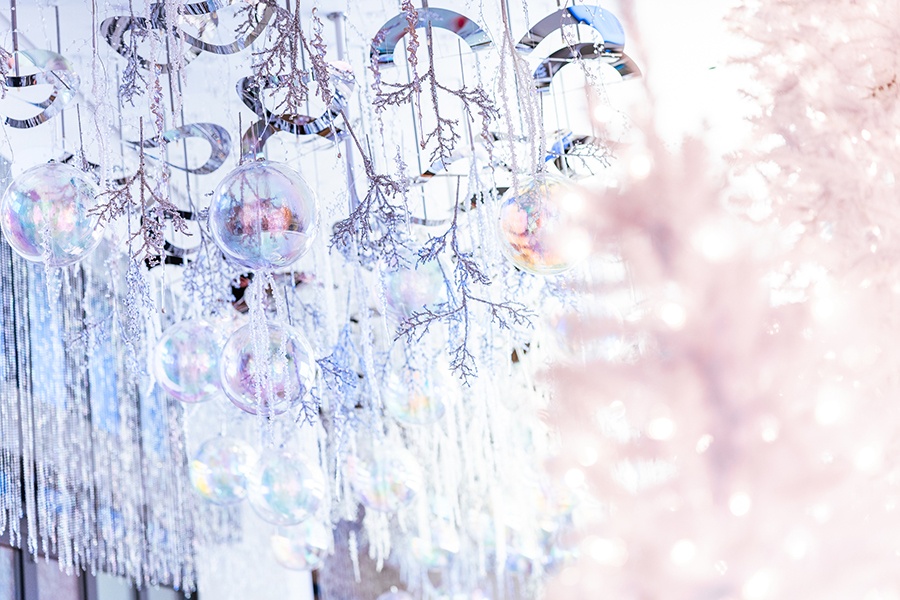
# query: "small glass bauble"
x,y
542,225
417,397
263,215
269,371
220,468
186,363
408,290
386,482
284,491
302,547
46,214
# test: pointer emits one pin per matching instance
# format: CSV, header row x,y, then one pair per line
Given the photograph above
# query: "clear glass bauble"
x,y
285,491
302,547
45,214
417,397
541,225
411,289
268,373
220,469
186,363
263,215
387,481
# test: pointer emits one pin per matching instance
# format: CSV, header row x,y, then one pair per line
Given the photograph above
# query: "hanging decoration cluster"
x,y
338,325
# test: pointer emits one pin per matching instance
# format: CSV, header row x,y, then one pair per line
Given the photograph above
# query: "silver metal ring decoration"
x,y
435,169
551,65
114,29
439,165
219,142
217,136
55,71
208,9
390,34
382,53
570,146
250,90
610,50
602,21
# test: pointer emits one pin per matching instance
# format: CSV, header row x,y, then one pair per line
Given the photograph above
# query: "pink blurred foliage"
x,y
762,412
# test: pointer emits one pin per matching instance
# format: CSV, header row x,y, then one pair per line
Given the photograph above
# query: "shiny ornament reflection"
x,y
269,375
541,229
263,215
220,469
302,547
186,363
284,491
416,397
46,215
387,481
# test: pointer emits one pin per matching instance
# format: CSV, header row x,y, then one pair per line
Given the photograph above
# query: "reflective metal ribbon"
x,y
217,136
250,90
390,34
56,71
115,28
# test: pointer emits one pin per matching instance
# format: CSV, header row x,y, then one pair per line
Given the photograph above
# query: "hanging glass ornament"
x,y
417,397
220,469
186,362
541,225
408,290
283,490
46,215
263,215
267,373
302,547
386,482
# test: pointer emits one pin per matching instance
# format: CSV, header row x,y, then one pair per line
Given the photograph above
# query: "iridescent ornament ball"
x,y
220,468
268,375
408,290
186,363
417,397
302,547
284,490
46,214
541,225
263,215
386,482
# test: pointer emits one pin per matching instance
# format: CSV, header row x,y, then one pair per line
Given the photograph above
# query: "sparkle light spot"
x,y
759,586
672,314
683,552
662,428
739,504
